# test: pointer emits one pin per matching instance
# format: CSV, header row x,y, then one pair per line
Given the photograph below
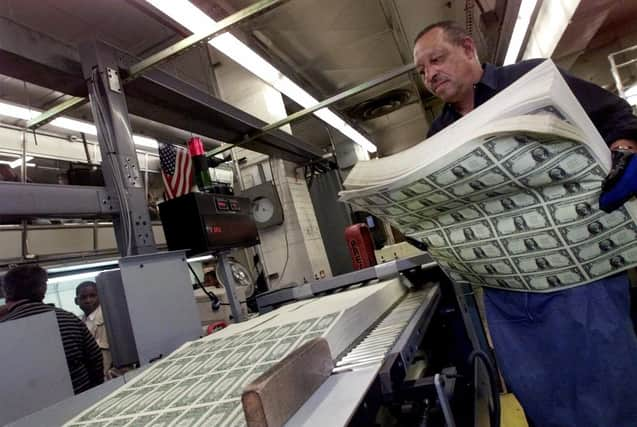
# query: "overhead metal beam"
x,y
42,200
153,60
323,104
162,97
28,55
57,110
194,39
37,58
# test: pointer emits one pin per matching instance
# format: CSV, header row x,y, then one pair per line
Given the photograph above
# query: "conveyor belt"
x,y
373,348
270,300
336,400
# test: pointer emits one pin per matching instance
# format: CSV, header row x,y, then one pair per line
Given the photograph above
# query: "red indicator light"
x,y
222,205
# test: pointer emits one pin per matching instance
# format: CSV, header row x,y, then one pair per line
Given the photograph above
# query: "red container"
x,y
195,147
360,245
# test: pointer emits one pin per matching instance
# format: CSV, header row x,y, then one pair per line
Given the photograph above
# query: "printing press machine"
x,y
411,368
412,365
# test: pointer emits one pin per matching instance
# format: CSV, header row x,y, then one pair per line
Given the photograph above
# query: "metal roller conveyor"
x,y
335,402
373,348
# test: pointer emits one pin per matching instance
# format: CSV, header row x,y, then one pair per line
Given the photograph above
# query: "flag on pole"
x,y
176,170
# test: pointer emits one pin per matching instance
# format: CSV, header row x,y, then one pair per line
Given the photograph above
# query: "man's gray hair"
x,y
453,31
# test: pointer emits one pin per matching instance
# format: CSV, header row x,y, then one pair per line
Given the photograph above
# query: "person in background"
x,y
87,299
24,288
569,356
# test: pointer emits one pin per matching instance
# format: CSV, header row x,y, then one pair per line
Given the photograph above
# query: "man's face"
x,y
447,69
87,299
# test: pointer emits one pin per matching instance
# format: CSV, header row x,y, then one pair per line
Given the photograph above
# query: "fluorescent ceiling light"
x,y
630,95
4,162
82,266
519,31
74,125
200,258
188,15
14,164
97,265
552,20
17,112
22,113
144,141
78,276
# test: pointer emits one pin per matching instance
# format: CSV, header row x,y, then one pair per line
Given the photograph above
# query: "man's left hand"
x,y
621,183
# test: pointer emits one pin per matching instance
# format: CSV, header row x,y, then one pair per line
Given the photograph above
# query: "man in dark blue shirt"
x,y
611,115
570,356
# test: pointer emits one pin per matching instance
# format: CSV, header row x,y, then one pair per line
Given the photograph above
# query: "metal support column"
x,y
120,167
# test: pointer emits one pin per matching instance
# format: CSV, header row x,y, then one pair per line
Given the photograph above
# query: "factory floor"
x,y
512,412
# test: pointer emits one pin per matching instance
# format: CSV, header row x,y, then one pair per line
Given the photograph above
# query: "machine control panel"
x,y
222,204
227,204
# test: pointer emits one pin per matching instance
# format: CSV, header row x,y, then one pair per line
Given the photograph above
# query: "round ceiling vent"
x,y
380,105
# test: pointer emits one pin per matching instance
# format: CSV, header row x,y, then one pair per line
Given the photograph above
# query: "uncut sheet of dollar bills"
x,y
507,196
200,384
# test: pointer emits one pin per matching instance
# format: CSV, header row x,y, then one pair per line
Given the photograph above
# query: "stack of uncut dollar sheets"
x,y
201,383
506,197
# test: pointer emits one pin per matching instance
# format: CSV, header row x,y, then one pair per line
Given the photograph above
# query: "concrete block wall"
x,y
293,252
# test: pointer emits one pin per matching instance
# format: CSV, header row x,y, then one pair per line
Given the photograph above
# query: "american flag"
x,y
176,170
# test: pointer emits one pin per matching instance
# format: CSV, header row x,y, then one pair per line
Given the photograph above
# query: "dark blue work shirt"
x,y
612,116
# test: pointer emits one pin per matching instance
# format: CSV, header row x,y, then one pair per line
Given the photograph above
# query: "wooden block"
x,y
276,395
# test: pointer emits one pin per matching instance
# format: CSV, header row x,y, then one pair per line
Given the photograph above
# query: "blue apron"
x,y
570,356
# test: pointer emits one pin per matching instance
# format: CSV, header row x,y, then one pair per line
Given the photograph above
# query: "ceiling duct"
x,y
380,105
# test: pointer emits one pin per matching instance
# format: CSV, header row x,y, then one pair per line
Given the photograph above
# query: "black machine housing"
x,y
204,223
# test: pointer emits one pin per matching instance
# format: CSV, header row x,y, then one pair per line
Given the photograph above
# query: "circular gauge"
x,y
262,209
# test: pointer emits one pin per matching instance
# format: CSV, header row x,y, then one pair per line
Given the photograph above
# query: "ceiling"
x,y
326,46
597,29
119,23
334,45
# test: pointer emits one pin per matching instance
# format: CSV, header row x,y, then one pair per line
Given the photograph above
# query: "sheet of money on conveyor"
x,y
515,205
200,384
